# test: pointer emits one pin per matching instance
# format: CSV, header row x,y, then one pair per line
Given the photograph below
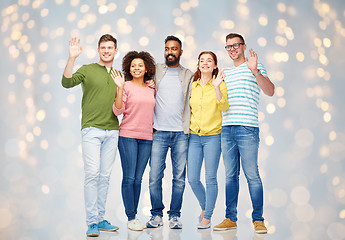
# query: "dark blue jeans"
x,y
178,143
241,144
134,154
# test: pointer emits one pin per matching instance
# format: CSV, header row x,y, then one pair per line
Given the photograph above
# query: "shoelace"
x,y
105,221
93,226
174,218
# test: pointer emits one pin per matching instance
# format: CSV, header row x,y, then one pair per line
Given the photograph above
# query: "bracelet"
x,y
256,74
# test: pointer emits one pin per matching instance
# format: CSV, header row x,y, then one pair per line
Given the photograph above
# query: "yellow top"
x,y
206,110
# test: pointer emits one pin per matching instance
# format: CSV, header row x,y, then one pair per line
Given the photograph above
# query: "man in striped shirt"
x,y
240,130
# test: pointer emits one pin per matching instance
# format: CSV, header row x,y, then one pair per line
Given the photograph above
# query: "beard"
x,y
172,62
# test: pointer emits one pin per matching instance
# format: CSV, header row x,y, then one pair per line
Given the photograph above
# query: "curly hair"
x,y
149,62
197,74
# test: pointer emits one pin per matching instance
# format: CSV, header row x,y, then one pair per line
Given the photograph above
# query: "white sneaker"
x,y
135,225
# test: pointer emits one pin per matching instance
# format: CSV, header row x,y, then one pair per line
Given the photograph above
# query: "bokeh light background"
x,y
302,151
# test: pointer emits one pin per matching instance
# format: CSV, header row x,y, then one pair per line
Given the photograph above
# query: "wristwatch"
x,y
256,74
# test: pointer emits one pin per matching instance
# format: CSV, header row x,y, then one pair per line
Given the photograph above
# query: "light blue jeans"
x,y
99,150
200,148
178,143
241,144
134,154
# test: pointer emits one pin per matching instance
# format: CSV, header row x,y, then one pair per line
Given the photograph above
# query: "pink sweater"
x,y
137,110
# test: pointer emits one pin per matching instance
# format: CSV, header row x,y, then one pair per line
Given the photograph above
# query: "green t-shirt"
x,y
99,91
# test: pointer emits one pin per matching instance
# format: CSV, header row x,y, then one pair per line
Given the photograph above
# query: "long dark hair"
x,y
197,74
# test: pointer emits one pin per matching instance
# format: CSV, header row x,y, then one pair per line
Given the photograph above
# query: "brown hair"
x,y
233,35
106,38
148,61
197,74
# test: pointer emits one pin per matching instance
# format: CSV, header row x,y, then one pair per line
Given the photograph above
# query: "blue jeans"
x,y
134,154
99,150
241,144
201,147
178,143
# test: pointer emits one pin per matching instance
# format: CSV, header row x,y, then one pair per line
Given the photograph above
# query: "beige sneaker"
x,y
260,227
227,224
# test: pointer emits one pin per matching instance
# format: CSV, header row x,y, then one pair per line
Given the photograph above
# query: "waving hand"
x,y
252,62
118,78
74,48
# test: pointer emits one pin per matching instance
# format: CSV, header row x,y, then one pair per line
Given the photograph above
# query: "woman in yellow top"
x,y
208,99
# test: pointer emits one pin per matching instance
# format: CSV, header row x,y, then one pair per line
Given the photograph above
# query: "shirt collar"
x,y
208,83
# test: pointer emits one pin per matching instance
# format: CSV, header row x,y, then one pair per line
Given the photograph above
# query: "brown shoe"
x,y
260,227
227,224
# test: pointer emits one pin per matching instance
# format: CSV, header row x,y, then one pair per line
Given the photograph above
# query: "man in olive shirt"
x,y
100,127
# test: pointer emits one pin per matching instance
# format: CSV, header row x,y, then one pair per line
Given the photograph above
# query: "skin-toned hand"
x,y
252,62
150,83
264,82
74,48
118,78
216,81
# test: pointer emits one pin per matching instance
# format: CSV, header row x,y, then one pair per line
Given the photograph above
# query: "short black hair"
x,y
173,38
233,35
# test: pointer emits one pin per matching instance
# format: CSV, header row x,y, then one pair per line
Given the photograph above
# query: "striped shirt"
x,y
243,96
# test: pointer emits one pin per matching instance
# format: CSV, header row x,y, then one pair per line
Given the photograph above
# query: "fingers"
x,y
222,74
252,53
150,83
115,73
74,41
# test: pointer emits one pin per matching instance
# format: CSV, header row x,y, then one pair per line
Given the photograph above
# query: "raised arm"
x,y
221,91
216,81
74,51
264,82
120,82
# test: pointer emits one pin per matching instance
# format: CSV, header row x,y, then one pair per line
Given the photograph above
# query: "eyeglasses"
x,y
235,46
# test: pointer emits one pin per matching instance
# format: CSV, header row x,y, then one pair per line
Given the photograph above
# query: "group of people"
x,y
164,105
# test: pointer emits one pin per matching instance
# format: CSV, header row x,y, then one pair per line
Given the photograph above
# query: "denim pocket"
x,y
250,129
84,131
253,132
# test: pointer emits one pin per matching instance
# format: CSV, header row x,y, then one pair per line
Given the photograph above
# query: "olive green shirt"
x,y
99,91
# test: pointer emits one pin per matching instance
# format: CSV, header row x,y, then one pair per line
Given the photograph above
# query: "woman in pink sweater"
x,y
135,100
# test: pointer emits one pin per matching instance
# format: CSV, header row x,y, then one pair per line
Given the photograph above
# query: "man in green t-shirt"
x,y
99,127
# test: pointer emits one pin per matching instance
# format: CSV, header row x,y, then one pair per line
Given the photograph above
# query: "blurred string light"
x,y
26,41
